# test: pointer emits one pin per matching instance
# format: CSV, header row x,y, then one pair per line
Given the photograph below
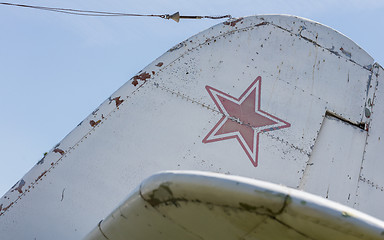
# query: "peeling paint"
x,y
261,24
332,50
166,189
41,161
58,150
135,82
95,111
233,22
7,207
143,77
93,123
117,100
178,46
41,175
346,53
21,184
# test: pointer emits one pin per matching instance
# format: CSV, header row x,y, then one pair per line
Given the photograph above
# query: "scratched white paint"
x,y
370,191
159,123
334,167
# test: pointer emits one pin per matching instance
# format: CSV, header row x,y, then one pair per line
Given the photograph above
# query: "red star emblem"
x,y
242,119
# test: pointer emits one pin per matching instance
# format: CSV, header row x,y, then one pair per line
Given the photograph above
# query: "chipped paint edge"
x,y
161,63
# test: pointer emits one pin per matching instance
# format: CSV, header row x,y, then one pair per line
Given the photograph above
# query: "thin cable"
x,y
81,12
107,14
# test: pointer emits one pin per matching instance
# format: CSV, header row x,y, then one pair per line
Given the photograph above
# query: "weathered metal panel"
x,y
371,180
164,117
325,38
335,161
148,223
197,205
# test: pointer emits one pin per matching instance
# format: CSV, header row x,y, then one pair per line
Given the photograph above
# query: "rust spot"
x,y
232,23
135,82
6,208
153,72
159,64
58,150
20,186
143,77
261,24
41,175
117,100
93,123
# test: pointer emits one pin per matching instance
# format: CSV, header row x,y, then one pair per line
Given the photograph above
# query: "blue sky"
x,y
55,69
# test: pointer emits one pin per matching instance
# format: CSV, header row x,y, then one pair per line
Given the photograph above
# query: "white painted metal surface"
x,y
247,97
371,177
335,160
200,205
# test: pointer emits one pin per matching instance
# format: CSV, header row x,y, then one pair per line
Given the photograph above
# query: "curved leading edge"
x,y
198,205
276,98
